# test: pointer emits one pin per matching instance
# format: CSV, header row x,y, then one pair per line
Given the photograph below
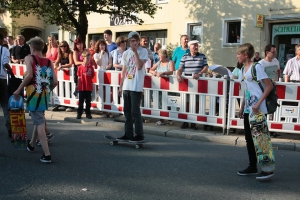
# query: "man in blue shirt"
x,y
180,51
108,39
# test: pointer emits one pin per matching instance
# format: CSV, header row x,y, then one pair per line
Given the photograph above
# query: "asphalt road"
x,y
85,166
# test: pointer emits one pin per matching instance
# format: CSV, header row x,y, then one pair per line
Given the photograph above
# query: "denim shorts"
x,y
37,117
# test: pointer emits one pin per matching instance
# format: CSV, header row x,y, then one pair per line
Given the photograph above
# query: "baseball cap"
x,y
193,42
132,33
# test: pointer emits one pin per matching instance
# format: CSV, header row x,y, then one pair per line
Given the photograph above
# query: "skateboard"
x,y
262,141
17,122
115,141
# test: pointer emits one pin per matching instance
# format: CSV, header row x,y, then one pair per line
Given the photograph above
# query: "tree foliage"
x,y
72,14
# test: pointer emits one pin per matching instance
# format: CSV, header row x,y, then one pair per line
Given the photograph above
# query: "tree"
x,y
72,14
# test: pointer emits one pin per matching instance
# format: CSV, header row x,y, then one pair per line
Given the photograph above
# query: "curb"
x,y
182,134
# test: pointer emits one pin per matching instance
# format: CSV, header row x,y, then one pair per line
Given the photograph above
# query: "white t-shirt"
x,y
274,63
253,91
148,64
103,60
134,78
4,59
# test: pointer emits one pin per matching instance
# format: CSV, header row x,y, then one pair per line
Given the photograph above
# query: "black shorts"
x,y
3,91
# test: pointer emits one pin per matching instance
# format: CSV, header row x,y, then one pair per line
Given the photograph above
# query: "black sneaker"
x,y
78,117
89,116
264,175
29,147
137,138
49,136
123,138
46,159
248,171
184,125
194,126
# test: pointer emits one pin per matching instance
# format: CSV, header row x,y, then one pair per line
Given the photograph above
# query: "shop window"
x,y
161,1
195,31
232,32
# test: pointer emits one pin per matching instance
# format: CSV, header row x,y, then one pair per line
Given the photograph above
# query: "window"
x,y
55,34
195,31
161,1
232,32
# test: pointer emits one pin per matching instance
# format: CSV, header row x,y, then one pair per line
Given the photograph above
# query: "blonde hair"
x,y
163,52
120,39
85,54
246,48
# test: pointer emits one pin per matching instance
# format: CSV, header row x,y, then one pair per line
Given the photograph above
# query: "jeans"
x,y
249,141
132,103
4,101
84,95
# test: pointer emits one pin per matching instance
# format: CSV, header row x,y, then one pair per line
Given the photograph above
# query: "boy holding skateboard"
x,y
132,83
40,80
253,101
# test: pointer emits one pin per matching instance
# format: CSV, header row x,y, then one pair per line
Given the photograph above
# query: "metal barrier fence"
x,y
207,101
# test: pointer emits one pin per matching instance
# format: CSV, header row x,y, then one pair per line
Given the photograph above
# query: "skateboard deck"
x,y
114,141
262,141
17,122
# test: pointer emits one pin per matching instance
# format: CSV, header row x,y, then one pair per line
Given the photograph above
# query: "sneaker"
x,y
29,147
46,159
55,108
49,136
137,138
123,138
264,175
69,110
78,117
184,125
193,126
89,116
248,171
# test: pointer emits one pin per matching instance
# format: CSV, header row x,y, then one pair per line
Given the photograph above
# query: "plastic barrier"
x,y
286,117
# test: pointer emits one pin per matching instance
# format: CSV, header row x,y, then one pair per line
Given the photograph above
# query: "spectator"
x,y
193,62
132,79
117,55
102,56
40,72
85,75
292,68
144,44
238,39
52,50
4,67
65,57
237,70
163,67
157,47
20,51
79,48
92,47
180,51
256,57
108,39
10,42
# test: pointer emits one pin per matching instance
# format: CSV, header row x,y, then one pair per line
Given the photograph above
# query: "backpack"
x,y
272,97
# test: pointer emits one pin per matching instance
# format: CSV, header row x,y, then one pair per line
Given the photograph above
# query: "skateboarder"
x,y
39,82
132,83
254,99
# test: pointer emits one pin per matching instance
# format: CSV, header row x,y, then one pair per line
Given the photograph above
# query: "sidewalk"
x,y
286,142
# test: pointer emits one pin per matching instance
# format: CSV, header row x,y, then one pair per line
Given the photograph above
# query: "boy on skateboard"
x,y
40,80
254,100
132,83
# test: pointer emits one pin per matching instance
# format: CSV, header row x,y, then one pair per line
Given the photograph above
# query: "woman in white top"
x,y
102,57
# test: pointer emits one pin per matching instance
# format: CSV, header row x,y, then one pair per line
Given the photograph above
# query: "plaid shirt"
x,y
292,69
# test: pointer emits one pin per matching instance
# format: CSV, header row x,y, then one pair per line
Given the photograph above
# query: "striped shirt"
x,y
193,64
292,69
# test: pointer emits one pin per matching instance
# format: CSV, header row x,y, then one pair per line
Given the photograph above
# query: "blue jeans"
x,y
132,103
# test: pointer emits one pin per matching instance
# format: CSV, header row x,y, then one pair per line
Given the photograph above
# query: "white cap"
x,y
193,42
132,33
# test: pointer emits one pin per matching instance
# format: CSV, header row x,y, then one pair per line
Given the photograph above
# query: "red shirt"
x,y
85,75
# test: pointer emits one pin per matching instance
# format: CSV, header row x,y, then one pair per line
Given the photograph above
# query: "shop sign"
x,y
286,29
117,20
259,20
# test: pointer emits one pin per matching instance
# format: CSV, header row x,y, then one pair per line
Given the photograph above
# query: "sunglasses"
x,y
123,41
62,46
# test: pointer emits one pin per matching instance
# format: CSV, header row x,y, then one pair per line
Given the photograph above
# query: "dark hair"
x,y
77,41
268,48
108,32
239,65
1,37
97,48
68,50
5,45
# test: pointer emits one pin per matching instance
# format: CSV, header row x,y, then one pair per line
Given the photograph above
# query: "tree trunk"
x,y
82,29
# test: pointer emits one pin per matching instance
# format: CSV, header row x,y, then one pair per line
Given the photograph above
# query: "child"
x,y
254,99
85,75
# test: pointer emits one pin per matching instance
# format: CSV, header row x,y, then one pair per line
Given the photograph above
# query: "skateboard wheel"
x,y
111,143
137,146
